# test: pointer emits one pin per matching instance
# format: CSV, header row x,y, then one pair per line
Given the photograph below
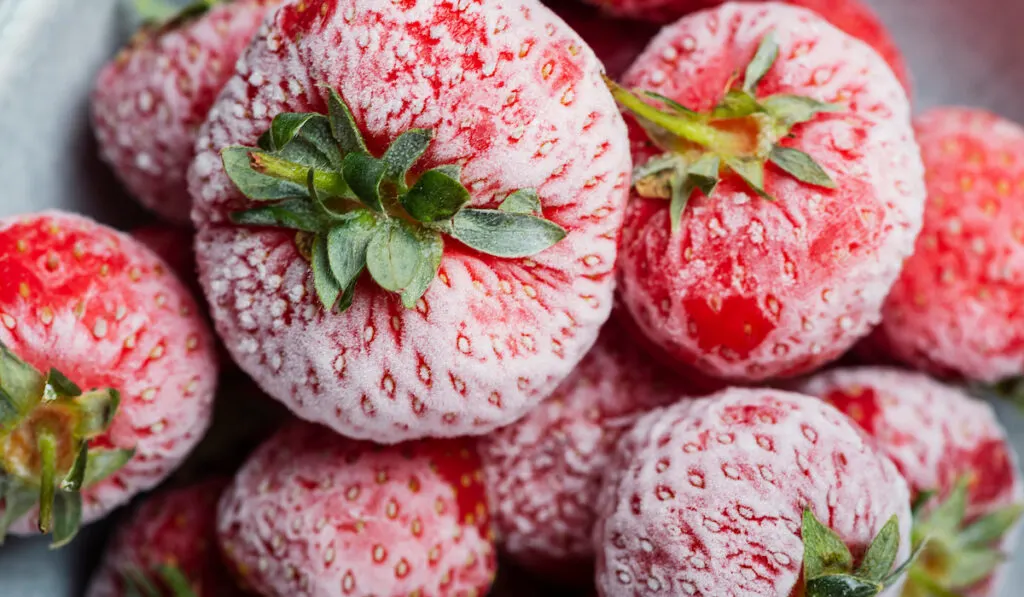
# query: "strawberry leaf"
x,y
824,551
21,387
19,499
285,126
326,285
736,104
346,246
764,58
67,518
436,196
404,152
906,566
393,255
841,585
790,110
76,475
971,566
801,166
59,386
343,124
946,518
504,234
992,527
104,462
751,170
364,173
431,251
239,164
523,201
671,103
294,214
96,410
881,554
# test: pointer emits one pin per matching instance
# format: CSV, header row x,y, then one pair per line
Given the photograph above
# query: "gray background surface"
x,y
961,52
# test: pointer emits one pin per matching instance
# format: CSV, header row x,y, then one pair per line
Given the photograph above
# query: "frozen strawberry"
x,y
169,544
174,245
616,42
312,513
107,372
544,471
955,308
427,251
151,99
853,17
723,496
766,227
947,443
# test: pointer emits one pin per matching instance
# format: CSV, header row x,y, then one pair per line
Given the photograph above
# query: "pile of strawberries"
x,y
560,290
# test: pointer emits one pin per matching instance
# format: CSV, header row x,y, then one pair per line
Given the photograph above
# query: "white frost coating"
x,y
162,360
797,281
706,496
544,471
935,434
496,336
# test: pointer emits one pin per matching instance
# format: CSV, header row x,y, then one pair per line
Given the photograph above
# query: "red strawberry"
x,y
501,97
148,102
955,308
82,306
316,514
800,212
174,245
946,442
544,472
170,539
722,496
853,17
615,41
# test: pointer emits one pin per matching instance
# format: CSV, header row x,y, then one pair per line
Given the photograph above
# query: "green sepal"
x,y
523,201
364,174
165,16
944,521
751,170
824,551
436,196
346,247
842,585
137,583
67,518
764,58
970,566
75,477
175,580
504,234
393,255
671,103
801,166
19,499
285,126
59,386
404,152
703,175
652,179
790,110
294,214
431,252
96,410
103,462
21,388
881,554
992,527
736,104
240,167
921,581
917,507
327,287
907,565
343,125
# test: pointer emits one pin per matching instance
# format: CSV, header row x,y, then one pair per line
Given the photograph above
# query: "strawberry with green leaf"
x,y
107,372
955,455
777,190
426,250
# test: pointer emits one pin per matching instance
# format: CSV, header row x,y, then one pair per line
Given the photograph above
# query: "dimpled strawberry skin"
x,y
514,96
104,310
151,99
706,496
750,289
176,527
853,17
315,514
544,471
934,433
955,308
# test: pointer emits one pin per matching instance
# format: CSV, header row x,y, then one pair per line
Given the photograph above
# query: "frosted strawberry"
x,y
107,372
316,514
544,471
174,245
954,309
617,42
853,17
751,493
423,252
167,547
948,444
767,225
151,99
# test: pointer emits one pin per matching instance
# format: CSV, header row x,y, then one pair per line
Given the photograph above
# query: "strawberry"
x,y
616,42
768,223
424,259
948,444
151,99
174,245
168,547
724,496
544,471
312,513
954,309
84,307
853,17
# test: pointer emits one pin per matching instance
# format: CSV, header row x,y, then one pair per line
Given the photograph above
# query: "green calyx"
x,y
957,553
165,580
353,211
829,568
161,15
46,423
740,135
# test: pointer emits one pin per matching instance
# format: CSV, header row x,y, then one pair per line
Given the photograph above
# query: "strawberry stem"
x,y
47,446
333,182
